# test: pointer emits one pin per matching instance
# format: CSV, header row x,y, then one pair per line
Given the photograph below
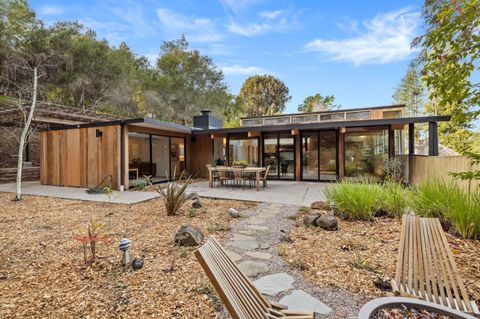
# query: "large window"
x,y
319,155
243,149
365,152
219,151
160,158
279,154
139,156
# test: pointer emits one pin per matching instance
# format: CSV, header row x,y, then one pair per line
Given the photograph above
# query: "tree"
x,y
450,53
410,91
264,95
188,82
318,102
234,109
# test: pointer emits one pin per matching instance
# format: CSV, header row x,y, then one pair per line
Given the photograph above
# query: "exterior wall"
x,y
9,175
76,157
201,154
428,168
9,139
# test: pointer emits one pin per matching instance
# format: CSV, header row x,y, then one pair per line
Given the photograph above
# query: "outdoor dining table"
x,y
257,170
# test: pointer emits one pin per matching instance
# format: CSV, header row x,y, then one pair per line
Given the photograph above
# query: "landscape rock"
x,y
310,219
275,283
196,204
327,222
233,213
320,205
253,268
137,264
187,235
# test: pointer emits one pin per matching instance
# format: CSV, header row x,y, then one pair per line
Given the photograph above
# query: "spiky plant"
x,y
175,194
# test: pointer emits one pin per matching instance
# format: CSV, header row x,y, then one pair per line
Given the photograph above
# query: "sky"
x,y
356,50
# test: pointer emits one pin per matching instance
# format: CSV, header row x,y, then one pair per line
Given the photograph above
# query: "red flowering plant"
x,y
95,234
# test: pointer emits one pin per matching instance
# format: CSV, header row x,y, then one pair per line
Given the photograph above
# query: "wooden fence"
x,y
427,168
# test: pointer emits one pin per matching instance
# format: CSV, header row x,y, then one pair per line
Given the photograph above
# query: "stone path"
x,y
253,246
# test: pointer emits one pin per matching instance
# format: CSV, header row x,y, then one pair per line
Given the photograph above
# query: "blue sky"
x,y
355,50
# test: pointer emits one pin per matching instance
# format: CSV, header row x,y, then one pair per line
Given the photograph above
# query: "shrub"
x,y
392,170
464,214
174,195
356,200
392,199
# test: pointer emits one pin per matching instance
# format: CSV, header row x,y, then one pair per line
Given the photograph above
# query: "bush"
x,y
175,195
392,199
356,200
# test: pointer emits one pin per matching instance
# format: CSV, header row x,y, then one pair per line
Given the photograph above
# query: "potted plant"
x,y
242,164
387,306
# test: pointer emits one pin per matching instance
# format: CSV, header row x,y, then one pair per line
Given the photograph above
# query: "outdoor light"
x,y
125,244
98,133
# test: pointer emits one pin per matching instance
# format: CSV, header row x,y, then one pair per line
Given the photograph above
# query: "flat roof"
x,y
326,125
328,111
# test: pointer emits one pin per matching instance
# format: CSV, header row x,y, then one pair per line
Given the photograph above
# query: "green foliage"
x,y
241,163
233,110
392,199
264,95
175,195
318,102
450,54
450,203
392,170
356,200
410,91
471,174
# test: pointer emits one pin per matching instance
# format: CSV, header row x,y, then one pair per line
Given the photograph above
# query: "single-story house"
x,y
316,146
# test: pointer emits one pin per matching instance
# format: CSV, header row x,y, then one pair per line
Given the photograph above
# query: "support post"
x,y
411,138
432,139
122,157
391,142
341,153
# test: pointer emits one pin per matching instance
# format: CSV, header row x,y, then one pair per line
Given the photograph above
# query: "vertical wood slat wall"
x,y
77,157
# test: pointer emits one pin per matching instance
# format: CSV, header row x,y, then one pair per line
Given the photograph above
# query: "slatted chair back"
x,y
426,268
239,295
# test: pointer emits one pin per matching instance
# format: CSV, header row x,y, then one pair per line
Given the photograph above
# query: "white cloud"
x,y
236,6
50,10
385,38
270,14
238,69
196,29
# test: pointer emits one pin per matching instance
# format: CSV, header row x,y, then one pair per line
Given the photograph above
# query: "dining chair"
x,y
264,176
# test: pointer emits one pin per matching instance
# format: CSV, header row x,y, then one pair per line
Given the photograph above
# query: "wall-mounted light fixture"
x,y
98,133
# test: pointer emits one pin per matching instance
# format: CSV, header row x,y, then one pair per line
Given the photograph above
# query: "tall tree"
x,y
264,95
318,102
450,53
234,109
410,91
190,82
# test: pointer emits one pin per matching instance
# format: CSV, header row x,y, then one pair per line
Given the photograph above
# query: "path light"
x,y
125,244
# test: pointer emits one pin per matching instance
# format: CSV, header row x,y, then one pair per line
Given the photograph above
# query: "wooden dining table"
x,y
257,170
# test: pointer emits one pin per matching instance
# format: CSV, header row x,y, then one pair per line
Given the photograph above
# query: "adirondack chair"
x,y
239,295
426,268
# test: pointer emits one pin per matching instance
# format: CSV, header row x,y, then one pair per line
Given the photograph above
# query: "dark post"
x,y
432,139
27,152
391,142
122,156
411,138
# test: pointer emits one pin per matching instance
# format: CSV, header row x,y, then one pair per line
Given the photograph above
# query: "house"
x,y
316,146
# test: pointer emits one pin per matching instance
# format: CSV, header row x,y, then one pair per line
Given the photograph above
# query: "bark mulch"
x,y
42,273
360,252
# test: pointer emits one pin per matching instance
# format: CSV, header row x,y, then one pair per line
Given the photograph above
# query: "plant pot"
x,y
370,308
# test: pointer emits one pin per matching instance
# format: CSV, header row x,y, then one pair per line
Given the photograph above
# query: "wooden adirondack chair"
x,y
426,268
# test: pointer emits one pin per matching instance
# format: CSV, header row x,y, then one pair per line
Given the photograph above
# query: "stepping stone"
x,y
274,284
253,268
257,228
256,221
242,237
264,245
258,255
301,301
244,244
234,256
252,232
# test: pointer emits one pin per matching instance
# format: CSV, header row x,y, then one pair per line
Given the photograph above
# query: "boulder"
x,y
327,222
320,205
233,213
310,219
187,235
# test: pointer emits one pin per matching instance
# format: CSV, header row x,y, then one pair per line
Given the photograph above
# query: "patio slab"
x,y
35,188
279,192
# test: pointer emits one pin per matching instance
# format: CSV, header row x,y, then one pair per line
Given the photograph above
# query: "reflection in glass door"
x,y
177,156
160,158
279,153
319,156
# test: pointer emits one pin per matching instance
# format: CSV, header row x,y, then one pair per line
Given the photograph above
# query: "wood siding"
x,y
77,157
428,168
201,154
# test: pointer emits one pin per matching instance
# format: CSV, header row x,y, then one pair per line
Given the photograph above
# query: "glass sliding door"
x,y
177,156
279,153
365,152
319,155
219,151
160,158
243,149
139,163
270,154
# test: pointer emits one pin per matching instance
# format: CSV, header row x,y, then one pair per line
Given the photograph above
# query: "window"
x,y
358,115
392,114
219,151
332,117
277,120
243,149
304,119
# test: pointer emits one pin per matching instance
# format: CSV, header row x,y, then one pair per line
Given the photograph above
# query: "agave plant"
x,y
175,194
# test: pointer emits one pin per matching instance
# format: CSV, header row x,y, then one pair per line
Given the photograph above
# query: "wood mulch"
x,y
42,273
358,253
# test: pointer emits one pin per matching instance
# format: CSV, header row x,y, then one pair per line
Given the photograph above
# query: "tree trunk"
x,y
23,137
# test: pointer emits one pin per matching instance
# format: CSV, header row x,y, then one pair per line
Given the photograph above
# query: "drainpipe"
x,y
122,157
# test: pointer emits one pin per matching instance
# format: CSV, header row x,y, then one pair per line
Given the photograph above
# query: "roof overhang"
x,y
327,125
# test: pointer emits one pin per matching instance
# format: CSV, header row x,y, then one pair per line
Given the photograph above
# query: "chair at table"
x,y
223,176
215,176
239,177
264,176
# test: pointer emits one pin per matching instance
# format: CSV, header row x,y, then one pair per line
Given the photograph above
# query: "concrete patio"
x,y
35,188
279,192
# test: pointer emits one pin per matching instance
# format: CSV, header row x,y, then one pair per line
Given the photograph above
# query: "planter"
x,y
370,308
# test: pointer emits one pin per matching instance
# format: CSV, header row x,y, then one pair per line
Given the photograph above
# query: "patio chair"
x,y
426,268
239,177
265,176
215,176
223,177
239,295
